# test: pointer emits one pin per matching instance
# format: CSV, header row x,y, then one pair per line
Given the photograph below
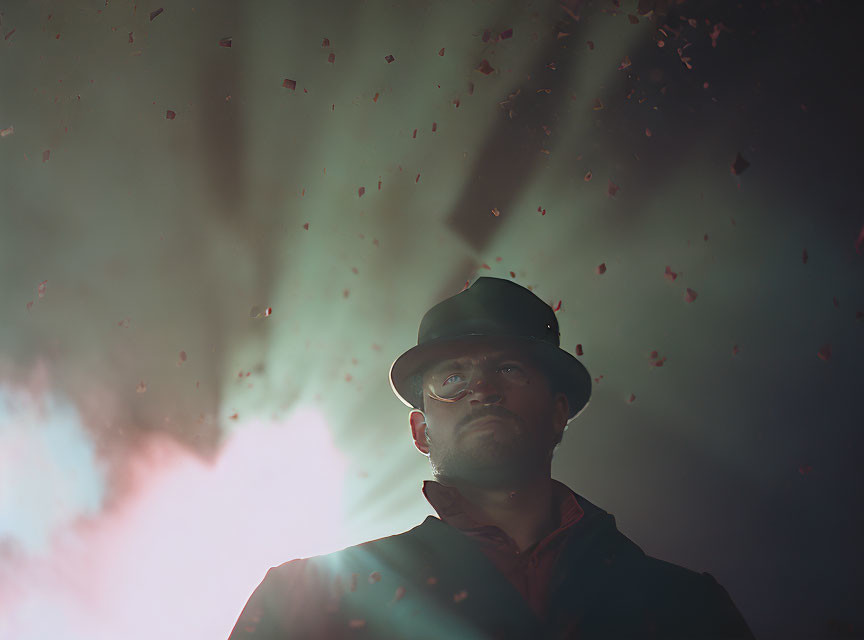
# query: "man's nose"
x,y
484,392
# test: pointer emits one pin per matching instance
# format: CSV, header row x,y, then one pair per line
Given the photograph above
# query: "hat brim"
x,y
570,374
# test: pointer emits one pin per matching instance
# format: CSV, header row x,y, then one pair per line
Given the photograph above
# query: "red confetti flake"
x,y
434,127
379,185
824,352
496,213
459,597
738,165
182,356
598,104
361,191
131,39
45,155
705,237
690,295
9,35
804,256
43,286
356,623
860,241
648,132
659,363
465,287
653,355
29,305
306,226
170,115
8,131
512,275
225,42
498,259
325,42
375,99
598,379
613,189
558,308
470,88
417,179
669,274
735,350
600,269
400,593
268,312
625,63
441,51
431,580
347,377
579,349
456,104
289,84
375,241
354,270
631,399
331,58
633,19
563,34
345,293
487,33
588,176
542,212
389,59
591,45
804,469
414,135
661,43
142,388
485,67
153,14
485,266
508,33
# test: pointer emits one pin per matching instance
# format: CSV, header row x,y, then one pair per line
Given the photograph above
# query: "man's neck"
x,y
527,515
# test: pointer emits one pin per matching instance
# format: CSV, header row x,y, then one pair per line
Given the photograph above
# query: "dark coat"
x,y
434,582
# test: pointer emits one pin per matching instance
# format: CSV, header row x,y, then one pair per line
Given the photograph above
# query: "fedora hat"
x,y
492,311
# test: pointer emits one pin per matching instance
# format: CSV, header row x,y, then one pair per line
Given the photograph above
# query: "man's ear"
x,y
418,431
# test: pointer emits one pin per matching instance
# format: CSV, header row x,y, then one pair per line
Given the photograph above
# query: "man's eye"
x,y
450,380
512,367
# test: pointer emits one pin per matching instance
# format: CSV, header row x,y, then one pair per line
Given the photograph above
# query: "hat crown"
x,y
491,307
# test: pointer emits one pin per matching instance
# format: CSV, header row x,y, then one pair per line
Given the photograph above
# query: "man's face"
x,y
503,429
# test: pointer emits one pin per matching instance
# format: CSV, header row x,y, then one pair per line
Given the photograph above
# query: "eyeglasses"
x,y
451,381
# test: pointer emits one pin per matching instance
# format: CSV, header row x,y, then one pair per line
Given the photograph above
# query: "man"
x,y
514,554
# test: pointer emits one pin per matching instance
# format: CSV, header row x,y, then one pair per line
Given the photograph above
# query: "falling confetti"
x,y
441,51
690,295
670,275
598,104
431,580
590,45
289,84
434,127
459,597
631,399
484,67
824,352
29,305
325,42
417,179
153,14
558,308
361,191
43,286
739,165
225,42
374,577
588,176
331,58
400,593
648,132
506,34
45,155
306,226
512,275
579,350
169,115
600,269
735,350
8,131
389,59
613,189
414,135
141,388
625,63
496,213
